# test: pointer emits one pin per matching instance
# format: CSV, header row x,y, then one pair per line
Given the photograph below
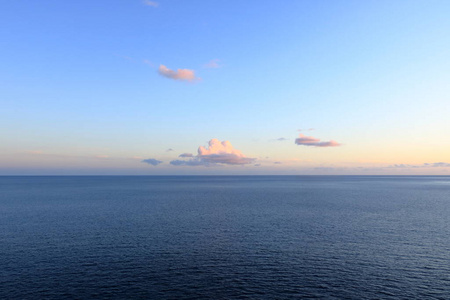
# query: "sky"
x,y
304,87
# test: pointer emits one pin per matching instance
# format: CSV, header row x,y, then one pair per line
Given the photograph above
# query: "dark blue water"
x,y
276,237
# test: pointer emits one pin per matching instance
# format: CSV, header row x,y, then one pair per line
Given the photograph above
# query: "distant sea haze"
x,y
225,237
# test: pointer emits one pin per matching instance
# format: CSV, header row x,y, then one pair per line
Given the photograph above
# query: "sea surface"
x,y
225,237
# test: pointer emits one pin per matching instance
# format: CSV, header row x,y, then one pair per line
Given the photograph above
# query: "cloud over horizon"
x,y
180,74
191,162
223,153
216,152
152,161
304,140
425,165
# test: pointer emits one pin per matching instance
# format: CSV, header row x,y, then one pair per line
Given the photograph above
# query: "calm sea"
x,y
230,237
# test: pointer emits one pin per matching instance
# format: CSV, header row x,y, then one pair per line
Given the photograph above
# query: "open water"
x,y
225,237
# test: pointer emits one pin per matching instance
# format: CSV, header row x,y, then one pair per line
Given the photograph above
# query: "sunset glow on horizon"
x,y
225,88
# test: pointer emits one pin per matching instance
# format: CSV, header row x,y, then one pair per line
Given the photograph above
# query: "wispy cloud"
x,y
152,161
212,64
180,74
148,62
191,162
169,150
216,152
186,155
277,162
437,165
425,165
124,57
281,139
150,3
314,142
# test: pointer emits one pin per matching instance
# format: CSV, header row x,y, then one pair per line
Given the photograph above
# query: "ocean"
x,y
225,237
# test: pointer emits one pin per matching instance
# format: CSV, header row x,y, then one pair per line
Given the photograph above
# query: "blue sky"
x,y
92,87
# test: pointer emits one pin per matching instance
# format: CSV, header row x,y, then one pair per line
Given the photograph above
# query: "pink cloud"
x,y
216,152
180,74
315,142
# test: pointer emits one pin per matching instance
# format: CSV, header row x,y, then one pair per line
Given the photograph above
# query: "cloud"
x,y
213,64
277,162
180,74
425,165
257,165
437,165
192,162
152,161
314,142
282,139
216,152
402,166
169,150
223,153
186,155
148,62
150,3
